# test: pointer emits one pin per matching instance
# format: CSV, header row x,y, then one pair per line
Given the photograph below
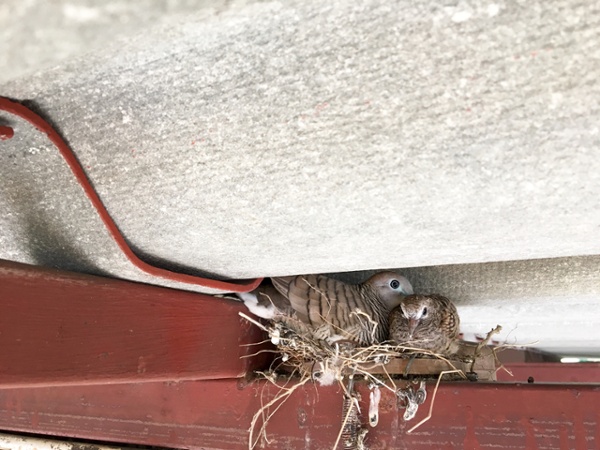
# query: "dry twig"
x,y
484,343
429,414
306,355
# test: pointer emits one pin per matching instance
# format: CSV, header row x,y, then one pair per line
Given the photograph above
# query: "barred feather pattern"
x,y
333,310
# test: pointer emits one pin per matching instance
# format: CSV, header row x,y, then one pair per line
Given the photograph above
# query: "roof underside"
x,y
255,139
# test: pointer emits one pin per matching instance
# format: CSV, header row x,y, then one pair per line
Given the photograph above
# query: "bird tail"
x,y
250,299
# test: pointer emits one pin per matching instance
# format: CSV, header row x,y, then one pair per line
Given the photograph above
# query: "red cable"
x,y
37,121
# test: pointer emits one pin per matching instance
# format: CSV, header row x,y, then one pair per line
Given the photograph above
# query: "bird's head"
x,y
390,287
417,309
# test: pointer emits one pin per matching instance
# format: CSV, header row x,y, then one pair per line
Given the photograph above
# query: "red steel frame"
x,y
217,414
63,328
105,359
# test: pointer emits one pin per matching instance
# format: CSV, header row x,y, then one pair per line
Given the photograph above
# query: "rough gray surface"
x,y
37,34
275,139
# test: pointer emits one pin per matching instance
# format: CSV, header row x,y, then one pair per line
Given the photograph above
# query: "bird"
x,y
428,322
329,309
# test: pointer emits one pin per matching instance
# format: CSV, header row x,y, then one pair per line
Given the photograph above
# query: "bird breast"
x,y
436,332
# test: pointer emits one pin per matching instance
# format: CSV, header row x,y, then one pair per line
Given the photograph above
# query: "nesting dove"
x,y
329,309
428,322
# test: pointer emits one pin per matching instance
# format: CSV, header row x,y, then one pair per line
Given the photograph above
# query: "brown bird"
x,y
329,309
428,322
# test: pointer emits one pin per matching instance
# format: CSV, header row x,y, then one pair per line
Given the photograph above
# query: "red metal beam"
x,y
550,372
82,334
216,414
64,328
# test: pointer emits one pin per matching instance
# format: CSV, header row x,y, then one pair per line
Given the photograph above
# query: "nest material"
x,y
311,358
303,354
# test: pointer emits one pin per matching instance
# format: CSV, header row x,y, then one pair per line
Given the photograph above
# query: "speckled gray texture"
x,y
274,139
37,34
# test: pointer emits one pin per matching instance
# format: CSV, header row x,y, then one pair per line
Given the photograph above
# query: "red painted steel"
x,y
42,125
551,372
112,360
6,133
217,414
65,328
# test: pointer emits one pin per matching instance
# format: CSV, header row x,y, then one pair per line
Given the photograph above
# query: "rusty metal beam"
x,y
61,328
217,414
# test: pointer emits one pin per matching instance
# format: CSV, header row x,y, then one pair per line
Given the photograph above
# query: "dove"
x,y
329,309
428,322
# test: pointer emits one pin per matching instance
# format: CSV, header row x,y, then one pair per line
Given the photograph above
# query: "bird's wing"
x,y
449,320
268,295
320,300
283,285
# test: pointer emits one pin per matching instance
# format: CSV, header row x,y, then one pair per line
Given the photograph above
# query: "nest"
x,y
304,358
304,355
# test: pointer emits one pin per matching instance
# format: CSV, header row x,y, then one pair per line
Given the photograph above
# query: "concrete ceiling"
x,y
457,142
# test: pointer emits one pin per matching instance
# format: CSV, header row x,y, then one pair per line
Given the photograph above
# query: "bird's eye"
x,y
424,312
394,284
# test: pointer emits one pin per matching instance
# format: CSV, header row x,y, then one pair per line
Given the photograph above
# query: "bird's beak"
x,y
412,324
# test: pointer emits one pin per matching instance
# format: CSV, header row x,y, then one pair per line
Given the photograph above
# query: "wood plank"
x,y
64,328
217,414
483,369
